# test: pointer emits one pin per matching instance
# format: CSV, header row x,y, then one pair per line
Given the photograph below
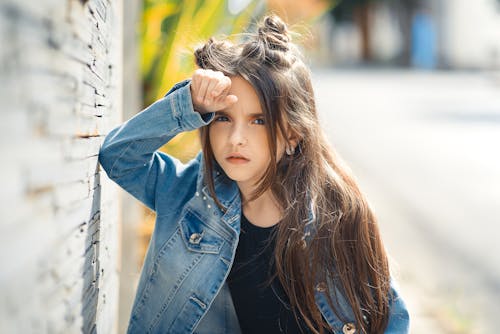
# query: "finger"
x,y
223,103
197,79
222,86
221,97
194,84
209,97
230,100
202,90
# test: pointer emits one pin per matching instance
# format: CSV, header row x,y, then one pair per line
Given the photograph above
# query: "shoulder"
x,y
399,317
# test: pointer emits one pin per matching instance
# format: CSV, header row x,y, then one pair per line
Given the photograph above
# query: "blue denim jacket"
x,y
182,286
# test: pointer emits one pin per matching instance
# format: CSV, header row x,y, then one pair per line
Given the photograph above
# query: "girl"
x,y
264,231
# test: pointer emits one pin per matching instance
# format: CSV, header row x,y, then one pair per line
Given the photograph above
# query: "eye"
x,y
259,121
221,119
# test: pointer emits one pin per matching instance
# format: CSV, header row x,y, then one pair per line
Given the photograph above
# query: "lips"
x,y
237,158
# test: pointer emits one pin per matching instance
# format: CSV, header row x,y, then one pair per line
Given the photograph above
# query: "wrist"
x,y
196,106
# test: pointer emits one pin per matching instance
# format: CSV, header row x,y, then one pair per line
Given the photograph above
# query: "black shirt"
x,y
261,308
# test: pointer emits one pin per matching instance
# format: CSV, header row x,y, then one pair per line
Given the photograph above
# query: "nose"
x,y
238,135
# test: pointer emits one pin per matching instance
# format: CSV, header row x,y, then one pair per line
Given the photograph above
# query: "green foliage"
x,y
170,29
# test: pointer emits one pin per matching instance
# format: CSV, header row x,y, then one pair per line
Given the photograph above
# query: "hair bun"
x,y
215,55
274,33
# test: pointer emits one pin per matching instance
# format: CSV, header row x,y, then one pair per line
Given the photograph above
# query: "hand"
x,y
210,91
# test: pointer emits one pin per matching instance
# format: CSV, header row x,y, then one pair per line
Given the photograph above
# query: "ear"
x,y
293,138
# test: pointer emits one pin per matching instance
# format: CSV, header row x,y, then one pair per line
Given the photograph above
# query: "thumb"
x,y
231,99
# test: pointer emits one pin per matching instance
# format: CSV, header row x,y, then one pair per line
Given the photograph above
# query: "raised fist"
x,y
210,91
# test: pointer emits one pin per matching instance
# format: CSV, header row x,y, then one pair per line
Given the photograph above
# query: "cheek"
x,y
216,140
212,136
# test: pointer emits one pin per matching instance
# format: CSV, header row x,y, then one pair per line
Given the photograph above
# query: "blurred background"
x,y
408,92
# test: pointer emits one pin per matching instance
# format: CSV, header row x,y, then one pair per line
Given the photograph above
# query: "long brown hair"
x,y
345,248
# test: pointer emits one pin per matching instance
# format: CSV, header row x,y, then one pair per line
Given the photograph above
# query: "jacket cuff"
x,y
182,108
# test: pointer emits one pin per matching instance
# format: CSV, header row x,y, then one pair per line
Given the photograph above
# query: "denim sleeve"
x,y
129,152
399,318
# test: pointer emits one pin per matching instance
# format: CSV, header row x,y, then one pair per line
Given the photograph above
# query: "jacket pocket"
x,y
198,237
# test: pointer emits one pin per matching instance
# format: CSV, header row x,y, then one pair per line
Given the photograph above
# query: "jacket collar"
x,y
225,188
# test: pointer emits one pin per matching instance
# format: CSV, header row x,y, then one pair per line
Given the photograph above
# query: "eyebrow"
x,y
225,113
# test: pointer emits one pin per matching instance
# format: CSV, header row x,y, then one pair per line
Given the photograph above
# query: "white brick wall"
x,y
60,92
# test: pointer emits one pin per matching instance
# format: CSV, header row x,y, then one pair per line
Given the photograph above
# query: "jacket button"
x,y
195,238
321,287
349,328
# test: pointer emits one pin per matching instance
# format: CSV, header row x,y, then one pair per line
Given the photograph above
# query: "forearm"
x,y
132,143
130,155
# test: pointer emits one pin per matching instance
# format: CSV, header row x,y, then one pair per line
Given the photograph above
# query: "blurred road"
x,y
425,148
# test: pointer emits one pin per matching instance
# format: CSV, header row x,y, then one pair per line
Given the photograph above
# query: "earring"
x,y
290,150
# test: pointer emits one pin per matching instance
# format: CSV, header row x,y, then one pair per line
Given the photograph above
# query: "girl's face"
x,y
238,137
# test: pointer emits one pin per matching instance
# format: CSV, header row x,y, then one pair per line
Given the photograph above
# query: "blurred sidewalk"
x,y
424,148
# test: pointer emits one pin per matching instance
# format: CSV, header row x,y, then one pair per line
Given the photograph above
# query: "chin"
x,y
237,176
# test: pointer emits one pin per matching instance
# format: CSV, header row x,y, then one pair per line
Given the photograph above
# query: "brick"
x,y
60,80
